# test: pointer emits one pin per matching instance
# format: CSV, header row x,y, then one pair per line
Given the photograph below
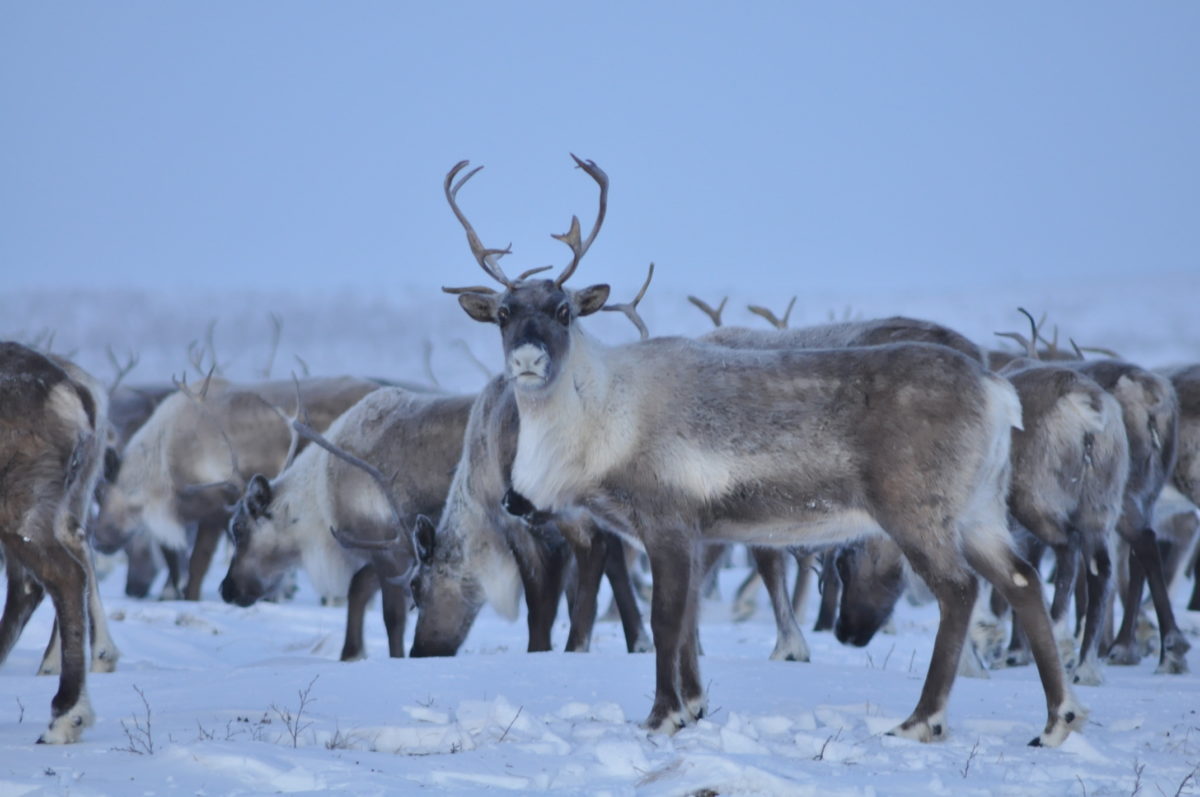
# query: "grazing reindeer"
x,y
468,557
53,430
280,524
194,456
670,439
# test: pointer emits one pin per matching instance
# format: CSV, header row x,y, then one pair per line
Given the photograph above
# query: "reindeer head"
x,y
536,317
262,554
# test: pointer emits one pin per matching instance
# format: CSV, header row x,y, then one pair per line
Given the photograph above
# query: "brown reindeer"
x,y
53,430
673,442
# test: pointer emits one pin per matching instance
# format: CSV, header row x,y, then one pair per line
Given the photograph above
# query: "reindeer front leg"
x,y
671,566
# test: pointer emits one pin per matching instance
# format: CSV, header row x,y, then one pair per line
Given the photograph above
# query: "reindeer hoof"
x,y
790,652
697,707
1174,657
642,644
666,722
105,660
1123,656
67,728
1070,716
932,729
1088,674
1018,658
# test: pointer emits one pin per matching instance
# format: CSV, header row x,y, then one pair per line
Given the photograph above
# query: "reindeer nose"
x,y
528,359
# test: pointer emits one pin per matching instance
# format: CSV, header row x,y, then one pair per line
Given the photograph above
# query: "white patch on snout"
x,y
1019,580
528,364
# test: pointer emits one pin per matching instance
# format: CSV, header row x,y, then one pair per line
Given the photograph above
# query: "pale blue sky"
x,y
252,144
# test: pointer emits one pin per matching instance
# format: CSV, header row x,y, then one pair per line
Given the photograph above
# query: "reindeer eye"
x,y
563,314
501,315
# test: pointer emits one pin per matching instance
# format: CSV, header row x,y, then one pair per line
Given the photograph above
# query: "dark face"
x,y
872,581
535,326
259,561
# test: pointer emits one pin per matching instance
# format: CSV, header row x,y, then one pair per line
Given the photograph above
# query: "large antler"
x,y
122,369
485,257
630,308
571,236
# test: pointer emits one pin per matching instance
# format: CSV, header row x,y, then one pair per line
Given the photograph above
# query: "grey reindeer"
x,y
1186,476
53,432
193,457
672,441
1070,464
327,516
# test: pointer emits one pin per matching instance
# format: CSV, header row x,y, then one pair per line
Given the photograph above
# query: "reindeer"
x,y
674,441
128,408
876,332
1186,476
192,459
490,542
287,522
52,436
1070,463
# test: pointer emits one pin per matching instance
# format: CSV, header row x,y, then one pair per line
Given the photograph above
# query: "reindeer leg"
x,y
1194,603
172,589
1098,575
1022,588
208,536
105,652
589,560
956,590
671,567
1174,646
804,568
24,594
395,613
542,577
362,586
831,587
789,640
691,688
617,570
65,579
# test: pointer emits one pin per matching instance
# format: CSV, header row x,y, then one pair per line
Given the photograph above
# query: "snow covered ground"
x,y
215,699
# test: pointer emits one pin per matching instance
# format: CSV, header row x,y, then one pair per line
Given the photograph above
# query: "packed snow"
x,y
210,698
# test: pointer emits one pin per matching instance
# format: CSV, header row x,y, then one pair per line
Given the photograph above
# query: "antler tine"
x,y
630,308
1094,350
312,435
527,274
293,435
122,370
571,236
772,319
1030,346
714,315
484,256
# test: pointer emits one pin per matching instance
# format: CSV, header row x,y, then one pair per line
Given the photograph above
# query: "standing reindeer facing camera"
x,y
53,430
674,442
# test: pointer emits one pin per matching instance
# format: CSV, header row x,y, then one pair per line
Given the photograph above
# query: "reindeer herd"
x,y
895,450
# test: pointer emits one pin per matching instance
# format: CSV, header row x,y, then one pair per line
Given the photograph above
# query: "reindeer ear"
x,y
479,306
423,534
591,299
258,496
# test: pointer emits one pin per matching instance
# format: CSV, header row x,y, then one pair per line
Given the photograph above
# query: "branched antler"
x,y
313,436
1029,344
713,314
121,370
772,319
571,236
1079,350
487,258
630,308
